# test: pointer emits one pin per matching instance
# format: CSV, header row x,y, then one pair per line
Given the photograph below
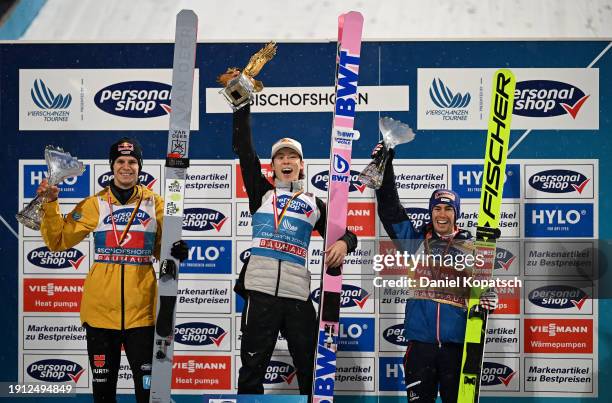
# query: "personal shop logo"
x,y
135,99
199,334
559,181
55,370
43,257
547,98
320,179
558,297
203,219
351,296
494,374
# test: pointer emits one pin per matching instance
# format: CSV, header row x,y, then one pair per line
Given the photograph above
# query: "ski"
x,y
177,162
347,72
487,230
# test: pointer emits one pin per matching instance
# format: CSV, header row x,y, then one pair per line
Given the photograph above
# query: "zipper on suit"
x,y
122,296
438,326
278,279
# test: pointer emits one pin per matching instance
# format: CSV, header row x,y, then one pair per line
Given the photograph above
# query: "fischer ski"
x,y
487,230
347,72
177,162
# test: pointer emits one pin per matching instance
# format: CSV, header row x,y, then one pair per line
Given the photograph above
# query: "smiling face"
x,y
125,170
287,165
443,219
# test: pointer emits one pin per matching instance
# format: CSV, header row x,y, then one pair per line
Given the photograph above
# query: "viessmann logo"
x,y
559,181
443,97
199,334
547,98
44,98
43,257
55,370
135,99
351,296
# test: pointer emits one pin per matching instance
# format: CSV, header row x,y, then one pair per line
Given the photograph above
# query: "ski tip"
x,y
354,15
186,13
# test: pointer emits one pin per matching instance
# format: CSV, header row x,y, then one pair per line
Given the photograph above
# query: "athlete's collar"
x,y
293,186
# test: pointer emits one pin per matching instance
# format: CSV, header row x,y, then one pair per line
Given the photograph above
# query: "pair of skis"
x,y
487,230
347,73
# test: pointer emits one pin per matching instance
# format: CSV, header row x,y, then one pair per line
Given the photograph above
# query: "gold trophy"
x,y
239,86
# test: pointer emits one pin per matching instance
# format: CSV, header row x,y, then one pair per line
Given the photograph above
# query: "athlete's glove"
x,y
489,300
179,250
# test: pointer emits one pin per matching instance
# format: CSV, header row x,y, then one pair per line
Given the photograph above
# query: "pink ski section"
x,y
349,37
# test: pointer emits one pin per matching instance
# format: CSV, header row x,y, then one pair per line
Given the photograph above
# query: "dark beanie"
x,y
125,146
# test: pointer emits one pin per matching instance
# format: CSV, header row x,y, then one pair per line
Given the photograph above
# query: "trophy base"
x,y
238,92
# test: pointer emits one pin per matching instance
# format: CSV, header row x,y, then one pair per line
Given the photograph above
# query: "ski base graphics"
x,y
348,59
177,162
487,231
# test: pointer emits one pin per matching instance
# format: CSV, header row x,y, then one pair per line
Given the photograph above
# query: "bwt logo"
x,y
559,181
245,255
279,372
496,374
135,99
351,296
43,257
395,335
203,219
347,85
558,297
122,217
199,334
443,97
546,98
145,178
418,216
320,181
503,259
297,206
44,98
55,370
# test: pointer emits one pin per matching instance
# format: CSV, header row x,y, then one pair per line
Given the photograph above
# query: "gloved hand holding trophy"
x,y
240,85
393,132
61,165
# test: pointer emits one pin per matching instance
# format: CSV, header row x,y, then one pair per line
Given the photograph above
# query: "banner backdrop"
x,y
84,96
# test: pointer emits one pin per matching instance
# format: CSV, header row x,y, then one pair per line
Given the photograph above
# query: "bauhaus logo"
x,y
135,99
444,97
546,98
44,98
